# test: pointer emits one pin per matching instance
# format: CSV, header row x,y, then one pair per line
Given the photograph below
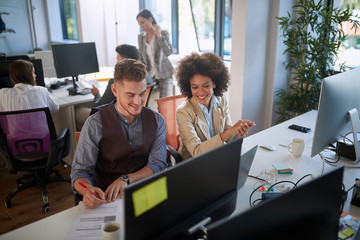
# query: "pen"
x,y
81,184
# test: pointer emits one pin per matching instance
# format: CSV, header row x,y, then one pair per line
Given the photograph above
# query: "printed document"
x,y
87,222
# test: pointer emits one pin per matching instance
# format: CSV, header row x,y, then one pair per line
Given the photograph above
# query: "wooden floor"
x,y
26,205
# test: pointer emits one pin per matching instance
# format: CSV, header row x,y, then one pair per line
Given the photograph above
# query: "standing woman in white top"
x,y
25,94
154,49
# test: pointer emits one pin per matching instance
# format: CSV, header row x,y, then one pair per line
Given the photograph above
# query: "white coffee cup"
x,y
111,230
297,146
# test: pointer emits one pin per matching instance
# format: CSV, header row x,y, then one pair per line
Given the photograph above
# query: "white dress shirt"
x,y
150,51
25,96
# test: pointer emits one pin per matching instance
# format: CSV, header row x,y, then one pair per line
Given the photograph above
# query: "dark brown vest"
x,y
116,157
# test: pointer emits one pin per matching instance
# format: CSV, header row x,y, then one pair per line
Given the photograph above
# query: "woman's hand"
x,y
242,127
157,30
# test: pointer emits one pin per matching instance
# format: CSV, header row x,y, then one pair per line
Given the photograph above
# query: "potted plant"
x,y
312,41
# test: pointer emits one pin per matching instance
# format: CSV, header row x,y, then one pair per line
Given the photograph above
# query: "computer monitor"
x,y
71,60
47,62
310,211
5,81
339,94
196,190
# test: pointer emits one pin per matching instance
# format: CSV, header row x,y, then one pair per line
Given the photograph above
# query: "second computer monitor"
x,y
47,62
72,60
204,187
5,81
339,94
310,211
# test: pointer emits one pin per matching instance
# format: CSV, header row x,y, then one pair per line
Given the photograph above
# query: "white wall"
x,y
281,73
98,24
256,65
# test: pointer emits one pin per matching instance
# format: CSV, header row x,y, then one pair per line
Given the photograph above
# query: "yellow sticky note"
x,y
348,232
341,236
150,196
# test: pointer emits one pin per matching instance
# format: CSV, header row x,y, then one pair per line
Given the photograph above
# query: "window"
x,y
350,54
69,20
195,25
161,10
227,29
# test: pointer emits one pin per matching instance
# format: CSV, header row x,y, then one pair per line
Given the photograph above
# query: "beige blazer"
x,y
193,128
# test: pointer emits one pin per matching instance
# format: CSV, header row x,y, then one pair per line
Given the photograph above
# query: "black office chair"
x,y
28,142
17,57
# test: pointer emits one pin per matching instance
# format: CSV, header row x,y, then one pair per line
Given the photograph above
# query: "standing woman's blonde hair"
x,y
22,71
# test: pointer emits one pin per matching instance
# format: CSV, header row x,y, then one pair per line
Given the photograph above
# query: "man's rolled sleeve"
x,y
87,150
158,153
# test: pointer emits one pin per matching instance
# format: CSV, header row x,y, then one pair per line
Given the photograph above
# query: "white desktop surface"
x,y
65,99
55,227
65,117
280,134
58,225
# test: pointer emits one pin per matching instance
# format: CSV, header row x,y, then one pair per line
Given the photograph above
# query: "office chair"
x,y
167,108
149,89
28,142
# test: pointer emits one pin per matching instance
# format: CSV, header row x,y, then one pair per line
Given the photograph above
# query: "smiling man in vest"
x,y
122,143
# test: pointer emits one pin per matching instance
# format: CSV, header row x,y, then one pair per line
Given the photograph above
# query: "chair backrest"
x,y
77,136
167,108
28,132
29,135
149,89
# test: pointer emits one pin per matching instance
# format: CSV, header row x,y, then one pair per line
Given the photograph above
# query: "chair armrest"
x,y
172,152
60,148
65,136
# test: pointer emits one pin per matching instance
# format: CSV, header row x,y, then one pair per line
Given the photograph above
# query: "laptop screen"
x,y
172,201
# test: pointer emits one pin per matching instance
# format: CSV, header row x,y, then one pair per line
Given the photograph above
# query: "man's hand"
x,y
94,90
115,189
92,201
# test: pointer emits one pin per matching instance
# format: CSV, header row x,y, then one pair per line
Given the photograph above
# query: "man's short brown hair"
x,y
131,70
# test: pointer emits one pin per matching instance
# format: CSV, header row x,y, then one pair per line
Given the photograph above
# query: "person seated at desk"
x,y
203,119
115,148
123,51
25,94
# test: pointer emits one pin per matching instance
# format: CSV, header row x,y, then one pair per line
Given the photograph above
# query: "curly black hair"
x,y
206,64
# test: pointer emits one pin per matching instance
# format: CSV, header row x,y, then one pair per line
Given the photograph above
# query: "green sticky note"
x,y
150,196
281,166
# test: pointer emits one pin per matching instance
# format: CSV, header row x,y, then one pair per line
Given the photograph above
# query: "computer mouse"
x,y
268,147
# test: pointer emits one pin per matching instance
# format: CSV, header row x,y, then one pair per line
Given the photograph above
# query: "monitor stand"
x,y
75,91
355,125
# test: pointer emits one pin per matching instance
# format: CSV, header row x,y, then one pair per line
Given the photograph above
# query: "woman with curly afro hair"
x,y
203,119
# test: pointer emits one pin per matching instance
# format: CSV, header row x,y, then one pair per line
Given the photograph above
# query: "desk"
x,y
65,117
61,223
280,134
